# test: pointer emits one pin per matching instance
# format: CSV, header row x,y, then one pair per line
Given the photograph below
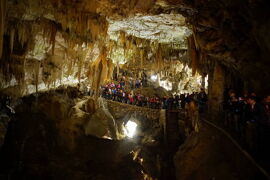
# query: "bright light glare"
x,y
166,85
206,81
130,129
154,77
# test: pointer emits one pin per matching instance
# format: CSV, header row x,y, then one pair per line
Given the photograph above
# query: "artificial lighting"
x,y
154,77
130,129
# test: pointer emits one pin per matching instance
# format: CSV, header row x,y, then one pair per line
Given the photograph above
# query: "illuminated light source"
x,y
130,129
154,77
106,137
166,85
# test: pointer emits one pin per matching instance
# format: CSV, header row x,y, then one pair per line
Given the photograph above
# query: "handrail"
x,y
249,157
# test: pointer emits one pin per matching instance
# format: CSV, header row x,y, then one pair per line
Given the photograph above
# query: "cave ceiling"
x,y
89,21
233,33
163,28
211,20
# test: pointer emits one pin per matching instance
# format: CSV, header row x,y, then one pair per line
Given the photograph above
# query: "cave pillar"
x,y
215,90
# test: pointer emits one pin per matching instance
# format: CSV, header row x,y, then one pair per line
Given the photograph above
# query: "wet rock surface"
x,y
46,140
209,154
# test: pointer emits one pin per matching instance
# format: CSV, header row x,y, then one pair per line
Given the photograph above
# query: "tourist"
x,y
264,128
202,99
182,101
253,116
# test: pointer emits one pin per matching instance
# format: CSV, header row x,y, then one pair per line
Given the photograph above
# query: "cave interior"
x,y
57,55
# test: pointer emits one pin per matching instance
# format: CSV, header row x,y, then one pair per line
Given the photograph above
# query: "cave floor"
x,y
210,154
35,148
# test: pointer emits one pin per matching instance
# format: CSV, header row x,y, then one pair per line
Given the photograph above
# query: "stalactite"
x,y
129,44
110,47
95,71
12,35
69,67
37,68
134,49
98,27
194,37
99,70
110,69
133,59
2,24
104,72
53,37
21,34
159,58
23,83
122,38
142,57
81,60
117,70
138,42
194,55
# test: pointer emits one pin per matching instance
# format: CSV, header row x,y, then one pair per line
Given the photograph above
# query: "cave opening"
x,y
134,89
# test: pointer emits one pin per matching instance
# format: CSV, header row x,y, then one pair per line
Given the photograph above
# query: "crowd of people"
x,y
248,117
118,92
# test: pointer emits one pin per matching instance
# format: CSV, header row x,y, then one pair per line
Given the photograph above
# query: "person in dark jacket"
x,y
264,129
183,102
202,99
253,117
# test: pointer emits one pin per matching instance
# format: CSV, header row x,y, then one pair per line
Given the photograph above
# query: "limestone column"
x,y
216,90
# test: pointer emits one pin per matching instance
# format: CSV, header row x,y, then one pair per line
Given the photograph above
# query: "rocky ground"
x,y
46,140
209,154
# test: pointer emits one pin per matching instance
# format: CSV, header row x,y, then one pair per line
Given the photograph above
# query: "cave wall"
x,y
233,33
46,140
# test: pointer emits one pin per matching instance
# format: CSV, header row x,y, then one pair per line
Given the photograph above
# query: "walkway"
x,y
209,154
